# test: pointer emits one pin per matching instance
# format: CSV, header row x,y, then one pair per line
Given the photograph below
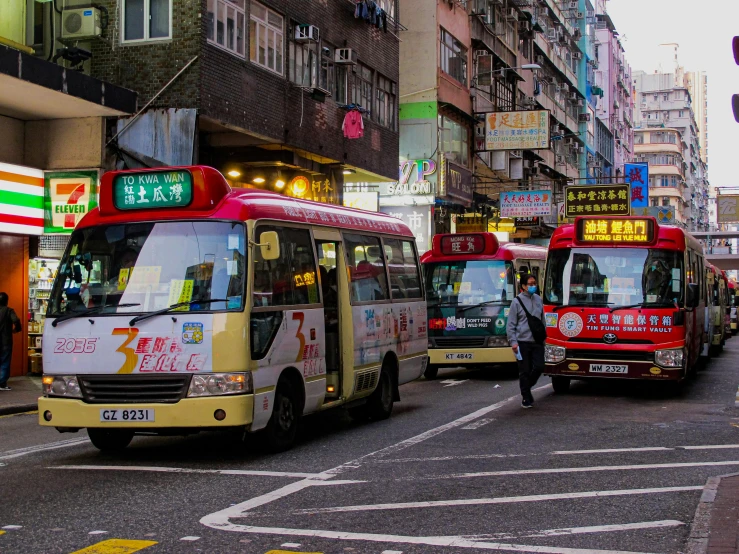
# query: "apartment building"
x,y
667,137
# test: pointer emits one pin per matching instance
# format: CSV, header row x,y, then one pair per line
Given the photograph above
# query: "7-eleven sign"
x,y
69,198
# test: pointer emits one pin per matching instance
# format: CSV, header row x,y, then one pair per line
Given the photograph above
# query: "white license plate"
x,y
459,356
108,415
608,368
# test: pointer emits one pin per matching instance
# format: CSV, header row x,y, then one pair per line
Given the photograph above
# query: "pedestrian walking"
x,y
526,334
9,324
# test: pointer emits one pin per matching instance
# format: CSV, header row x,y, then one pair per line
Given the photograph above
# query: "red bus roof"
x,y
213,198
493,249
666,236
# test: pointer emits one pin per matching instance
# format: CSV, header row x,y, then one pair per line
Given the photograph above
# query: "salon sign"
x,y
68,196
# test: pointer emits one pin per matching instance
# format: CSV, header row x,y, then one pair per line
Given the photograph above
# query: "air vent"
x,y
366,380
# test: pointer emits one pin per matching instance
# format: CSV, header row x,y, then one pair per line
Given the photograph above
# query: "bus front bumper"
x,y
470,356
187,413
581,369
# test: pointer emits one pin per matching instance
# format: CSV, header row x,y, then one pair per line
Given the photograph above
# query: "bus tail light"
x,y
61,385
219,384
554,354
669,358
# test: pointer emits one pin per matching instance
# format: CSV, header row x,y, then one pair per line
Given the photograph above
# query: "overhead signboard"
x,y
368,201
728,208
152,190
473,224
525,203
614,230
524,130
597,200
532,221
637,175
68,196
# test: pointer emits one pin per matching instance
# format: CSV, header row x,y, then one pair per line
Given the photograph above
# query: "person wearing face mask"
x,y
526,334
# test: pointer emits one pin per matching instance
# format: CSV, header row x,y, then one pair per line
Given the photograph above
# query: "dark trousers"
x,y
530,367
6,354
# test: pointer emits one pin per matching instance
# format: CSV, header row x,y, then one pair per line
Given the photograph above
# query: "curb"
x,y
700,529
18,409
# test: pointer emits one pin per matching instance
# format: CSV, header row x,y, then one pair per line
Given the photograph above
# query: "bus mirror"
x,y
693,295
269,245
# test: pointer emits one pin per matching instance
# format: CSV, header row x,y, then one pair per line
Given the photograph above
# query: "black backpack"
x,y
538,331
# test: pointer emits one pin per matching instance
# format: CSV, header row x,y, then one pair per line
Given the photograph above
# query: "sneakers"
x,y
527,404
5,388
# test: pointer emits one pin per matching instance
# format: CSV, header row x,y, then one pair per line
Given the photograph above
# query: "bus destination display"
x,y
152,190
462,244
627,230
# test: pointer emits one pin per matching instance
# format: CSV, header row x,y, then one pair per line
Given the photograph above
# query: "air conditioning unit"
x,y
552,34
524,26
569,141
512,15
580,15
345,56
580,103
306,33
555,128
560,160
539,60
573,5
558,88
478,7
581,149
81,23
576,56
583,117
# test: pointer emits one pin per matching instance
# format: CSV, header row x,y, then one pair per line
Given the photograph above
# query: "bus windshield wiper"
x,y
660,304
93,310
173,307
486,303
583,304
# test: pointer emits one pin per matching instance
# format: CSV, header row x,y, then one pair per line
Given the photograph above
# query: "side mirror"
x,y
269,245
693,295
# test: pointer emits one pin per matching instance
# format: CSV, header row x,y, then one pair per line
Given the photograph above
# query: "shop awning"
x,y
35,89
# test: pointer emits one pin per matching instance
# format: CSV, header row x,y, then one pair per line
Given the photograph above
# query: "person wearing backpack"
x,y
526,335
9,324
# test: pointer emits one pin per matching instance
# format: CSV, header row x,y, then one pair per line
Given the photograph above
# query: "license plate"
x,y
108,415
459,356
608,368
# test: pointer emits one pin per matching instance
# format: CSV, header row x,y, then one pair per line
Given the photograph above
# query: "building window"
x,y
341,79
363,87
146,20
388,7
266,38
666,201
454,140
453,57
385,102
304,64
326,72
226,25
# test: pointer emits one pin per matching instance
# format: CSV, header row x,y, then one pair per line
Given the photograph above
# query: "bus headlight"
x,y
61,385
219,384
496,341
669,358
554,354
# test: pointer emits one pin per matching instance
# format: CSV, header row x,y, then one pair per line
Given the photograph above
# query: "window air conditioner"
x,y
574,96
583,117
576,56
579,15
512,15
569,141
580,103
539,60
80,23
306,33
581,149
552,34
345,56
573,5
560,160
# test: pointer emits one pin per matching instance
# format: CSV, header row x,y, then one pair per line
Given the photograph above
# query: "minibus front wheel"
x,y
110,440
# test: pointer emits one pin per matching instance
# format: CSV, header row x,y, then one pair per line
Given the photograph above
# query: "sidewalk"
x,y
23,397
715,528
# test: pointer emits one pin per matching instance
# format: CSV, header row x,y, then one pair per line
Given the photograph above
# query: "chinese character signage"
x,y
455,182
531,221
470,224
638,176
318,188
728,209
418,219
462,244
597,200
527,130
615,230
368,201
152,190
528,203
68,196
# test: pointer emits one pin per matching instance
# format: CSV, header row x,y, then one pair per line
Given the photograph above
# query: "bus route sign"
x,y
593,230
152,190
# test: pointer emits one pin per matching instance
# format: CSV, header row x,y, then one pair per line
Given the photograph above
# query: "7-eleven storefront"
x,y
38,210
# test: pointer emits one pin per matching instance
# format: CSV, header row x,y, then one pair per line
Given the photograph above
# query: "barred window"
x,y
453,57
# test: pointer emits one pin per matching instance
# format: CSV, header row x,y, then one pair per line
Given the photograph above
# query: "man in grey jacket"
x,y
530,354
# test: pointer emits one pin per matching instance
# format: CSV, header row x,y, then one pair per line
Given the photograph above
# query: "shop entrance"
x,y
14,281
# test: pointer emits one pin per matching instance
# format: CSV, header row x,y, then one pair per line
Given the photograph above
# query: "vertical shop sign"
x,y
418,219
68,196
638,176
455,182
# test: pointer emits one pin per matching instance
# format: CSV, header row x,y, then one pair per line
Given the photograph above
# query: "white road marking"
x,y
736,400
97,533
392,552
12,527
494,500
479,423
710,447
447,458
190,538
570,470
582,530
453,382
611,450
255,473
10,454
291,545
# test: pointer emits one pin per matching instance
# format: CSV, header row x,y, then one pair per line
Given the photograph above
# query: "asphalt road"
x,y
459,467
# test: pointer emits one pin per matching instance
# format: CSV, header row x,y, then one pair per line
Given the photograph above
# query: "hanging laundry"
x,y
380,14
384,21
358,9
373,12
353,125
365,10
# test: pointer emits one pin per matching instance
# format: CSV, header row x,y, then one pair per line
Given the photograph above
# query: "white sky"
x,y
703,29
